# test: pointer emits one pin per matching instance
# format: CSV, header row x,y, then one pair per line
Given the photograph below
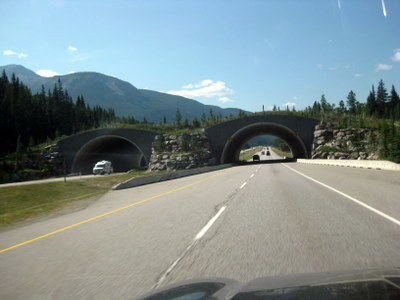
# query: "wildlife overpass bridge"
x,y
126,148
131,148
227,138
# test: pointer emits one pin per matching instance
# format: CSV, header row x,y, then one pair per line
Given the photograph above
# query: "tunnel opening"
x,y
264,148
235,143
123,154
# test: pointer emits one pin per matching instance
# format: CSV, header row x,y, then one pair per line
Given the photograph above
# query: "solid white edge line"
x,y
242,186
209,224
397,222
252,175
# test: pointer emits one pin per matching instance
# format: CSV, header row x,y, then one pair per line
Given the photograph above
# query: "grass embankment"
x,y
282,153
248,154
18,203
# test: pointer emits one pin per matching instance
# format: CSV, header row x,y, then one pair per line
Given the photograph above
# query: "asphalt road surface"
x,y
272,156
240,223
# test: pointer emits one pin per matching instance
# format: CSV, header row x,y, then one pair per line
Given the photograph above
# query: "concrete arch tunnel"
x,y
234,144
227,138
123,154
126,149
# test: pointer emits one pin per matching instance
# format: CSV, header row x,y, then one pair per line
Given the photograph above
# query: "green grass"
x,y
19,203
247,155
282,153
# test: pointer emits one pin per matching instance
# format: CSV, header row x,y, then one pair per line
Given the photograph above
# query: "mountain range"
x,y
126,100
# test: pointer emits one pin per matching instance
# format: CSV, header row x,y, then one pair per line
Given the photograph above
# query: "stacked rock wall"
x,y
181,151
347,143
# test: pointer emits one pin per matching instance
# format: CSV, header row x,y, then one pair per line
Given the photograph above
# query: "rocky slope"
x,y
347,143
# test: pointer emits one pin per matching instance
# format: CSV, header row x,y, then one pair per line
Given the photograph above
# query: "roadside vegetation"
x,y
247,154
29,123
282,153
20,203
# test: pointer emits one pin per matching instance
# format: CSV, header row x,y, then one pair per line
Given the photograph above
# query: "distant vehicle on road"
x,y
103,167
256,157
268,153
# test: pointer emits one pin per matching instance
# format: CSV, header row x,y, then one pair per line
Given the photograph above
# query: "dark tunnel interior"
x,y
232,148
123,155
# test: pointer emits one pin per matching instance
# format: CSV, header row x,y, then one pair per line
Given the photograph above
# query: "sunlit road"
x,y
272,156
241,223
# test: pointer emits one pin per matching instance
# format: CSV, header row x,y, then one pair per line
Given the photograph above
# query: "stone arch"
x,y
233,145
123,154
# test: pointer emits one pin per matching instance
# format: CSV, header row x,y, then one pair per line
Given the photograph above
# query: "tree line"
x,y
381,111
27,119
379,104
32,119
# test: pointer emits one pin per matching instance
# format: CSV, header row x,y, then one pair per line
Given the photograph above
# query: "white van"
x,y
103,167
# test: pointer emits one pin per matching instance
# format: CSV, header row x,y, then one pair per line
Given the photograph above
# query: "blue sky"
x,y
241,54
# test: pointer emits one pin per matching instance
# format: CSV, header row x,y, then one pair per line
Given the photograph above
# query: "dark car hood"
x,y
366,284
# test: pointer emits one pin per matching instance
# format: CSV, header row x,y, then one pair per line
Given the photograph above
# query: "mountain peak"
x,y
18,70
126,100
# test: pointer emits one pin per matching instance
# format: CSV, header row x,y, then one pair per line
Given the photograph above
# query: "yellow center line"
x,y
112,212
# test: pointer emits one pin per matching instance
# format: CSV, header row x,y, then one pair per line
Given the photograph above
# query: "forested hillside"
x,y
31,119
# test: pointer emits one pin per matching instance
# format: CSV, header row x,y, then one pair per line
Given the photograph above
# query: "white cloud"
x,y
396,56
47,73
71,72
225,99
383,67
295,98
11,52
72,49
358,75
200,84
206,88
290,104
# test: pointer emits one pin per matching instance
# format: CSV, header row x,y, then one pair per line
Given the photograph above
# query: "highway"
x,y
272,156
241,223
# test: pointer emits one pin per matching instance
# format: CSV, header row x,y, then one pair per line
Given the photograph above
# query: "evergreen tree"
x,y
381,98
316,109
342,107
371,103
203,118
178,117
211,115
394,104
325,106
196,123
352,102
186,123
